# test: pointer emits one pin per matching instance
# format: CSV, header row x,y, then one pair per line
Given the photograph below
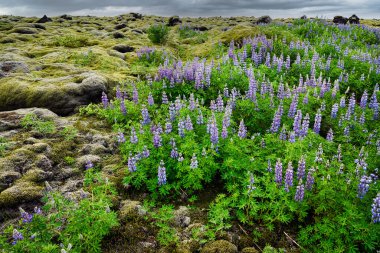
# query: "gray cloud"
x,y
194,8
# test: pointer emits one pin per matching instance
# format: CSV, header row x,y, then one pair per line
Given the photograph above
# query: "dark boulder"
x,y
24,30
304,17
120,26
44,19
264,20
354,19
174,20
340,20
39,26
200,28
118,35
136,15
66,17
123,48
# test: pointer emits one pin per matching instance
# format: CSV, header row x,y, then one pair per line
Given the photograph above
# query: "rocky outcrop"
x,y
61,96
354,19
44,19
264,20
174,20
340,20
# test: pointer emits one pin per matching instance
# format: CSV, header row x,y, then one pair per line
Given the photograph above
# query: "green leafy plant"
x,y
69,133
167,235
158,33
31,121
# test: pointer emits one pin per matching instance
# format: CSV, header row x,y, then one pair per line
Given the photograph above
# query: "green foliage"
x,y
69,160
158,33
79,227
167,235
3,146
85,59
69,133
31,121
72,41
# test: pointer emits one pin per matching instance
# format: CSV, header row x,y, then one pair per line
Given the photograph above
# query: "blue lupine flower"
x,y
242,133
133,138
289,177
363,186
376,209
300,192
194,162
161,174
89,165
278,172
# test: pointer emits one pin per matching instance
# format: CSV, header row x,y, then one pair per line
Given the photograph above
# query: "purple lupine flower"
x,y
373,101
293,106
342,102
133,137
213,130
306,99
161,174
305,125
276,123
219,104
89,165
334,111
242,133
150,99
330,135
289,177
224,132
181,128
119,95
145,115
351,104
122,107
283,135
188,123
164,98
251,186
297,123
194,162
376,209
145,152
292,137
317,122
25,216
310,179
346,131
362,118
174,153
17,236
319,153
363,186
278,172
361,161
300,192
104,100
131,163
301,168
180,157
157,139
200,117
120,138
135,95
37,210
363,100
172,112
168,127
226,92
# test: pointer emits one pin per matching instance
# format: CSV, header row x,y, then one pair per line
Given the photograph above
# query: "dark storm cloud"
x,y
276,8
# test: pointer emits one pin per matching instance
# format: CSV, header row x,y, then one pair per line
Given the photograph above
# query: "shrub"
x,y
72,41
158,33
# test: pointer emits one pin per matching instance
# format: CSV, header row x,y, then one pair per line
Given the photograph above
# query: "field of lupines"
x,y
287,130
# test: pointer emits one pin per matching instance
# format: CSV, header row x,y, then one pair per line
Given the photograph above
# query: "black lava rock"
x,y
174,20
44,19
123,48
340,20
354,19
264,20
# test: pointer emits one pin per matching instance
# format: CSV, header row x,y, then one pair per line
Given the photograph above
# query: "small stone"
x,y
181,217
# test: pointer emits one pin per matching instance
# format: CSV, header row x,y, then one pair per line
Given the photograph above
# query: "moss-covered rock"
x,y
21,192
130,209
249,250
220,246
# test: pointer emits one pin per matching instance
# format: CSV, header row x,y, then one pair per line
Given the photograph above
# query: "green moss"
x,y
219,246
22,191
238,33
73,41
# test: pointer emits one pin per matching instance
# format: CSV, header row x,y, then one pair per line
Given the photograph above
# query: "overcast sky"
x,y
194,8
